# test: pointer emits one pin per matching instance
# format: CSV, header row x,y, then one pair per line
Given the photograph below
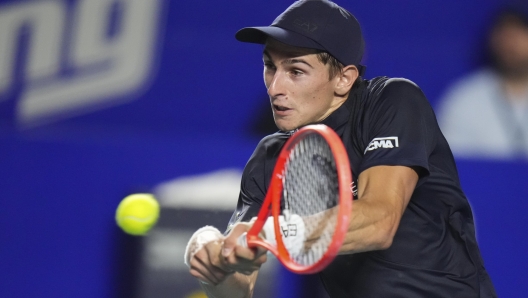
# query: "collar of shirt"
x,y
341,116
338,118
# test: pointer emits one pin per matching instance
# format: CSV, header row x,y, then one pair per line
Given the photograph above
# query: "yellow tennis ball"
x,y
137,213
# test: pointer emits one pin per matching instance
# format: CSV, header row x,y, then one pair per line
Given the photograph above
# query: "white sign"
x,y
73,64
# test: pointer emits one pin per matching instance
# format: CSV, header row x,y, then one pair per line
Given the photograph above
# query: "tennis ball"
x,y
137,213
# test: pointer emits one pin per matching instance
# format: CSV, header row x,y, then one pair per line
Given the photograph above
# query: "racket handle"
x,y
242,240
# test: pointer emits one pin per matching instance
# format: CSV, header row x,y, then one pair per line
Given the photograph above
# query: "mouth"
x,y
279,108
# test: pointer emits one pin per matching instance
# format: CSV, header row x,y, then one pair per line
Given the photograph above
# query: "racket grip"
x,y
242,240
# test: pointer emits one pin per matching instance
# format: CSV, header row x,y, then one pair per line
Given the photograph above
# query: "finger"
x,y
217,261
253,253
245,259
261,259
261,251
202,260
231,241
243,265
247,272
245,253
202,271
218,268
206,263
200,277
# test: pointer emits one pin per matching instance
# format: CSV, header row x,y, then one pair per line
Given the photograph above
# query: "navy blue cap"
x,y
314,24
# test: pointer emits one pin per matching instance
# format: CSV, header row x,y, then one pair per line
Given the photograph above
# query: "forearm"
x,y
236,285
384,193
371,227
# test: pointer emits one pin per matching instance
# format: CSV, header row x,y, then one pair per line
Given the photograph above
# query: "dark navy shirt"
x,y
434,252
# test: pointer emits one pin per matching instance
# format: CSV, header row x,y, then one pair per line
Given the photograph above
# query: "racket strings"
x,y
311,190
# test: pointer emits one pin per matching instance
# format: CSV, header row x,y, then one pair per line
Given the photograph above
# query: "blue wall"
x,y
188,110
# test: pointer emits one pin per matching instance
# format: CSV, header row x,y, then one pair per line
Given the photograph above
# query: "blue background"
x,y
61,182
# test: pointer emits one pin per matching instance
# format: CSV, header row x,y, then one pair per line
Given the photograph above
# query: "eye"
x,y
269,65
296,72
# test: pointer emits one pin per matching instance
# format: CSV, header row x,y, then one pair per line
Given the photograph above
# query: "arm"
x,y
224,268
236,285
384,192
230,270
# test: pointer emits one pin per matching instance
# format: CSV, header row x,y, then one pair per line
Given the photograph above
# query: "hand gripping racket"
x,y
309,200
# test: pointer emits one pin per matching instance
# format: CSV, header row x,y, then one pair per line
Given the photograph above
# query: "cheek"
x,y
314,89
315,101
265,78
320,94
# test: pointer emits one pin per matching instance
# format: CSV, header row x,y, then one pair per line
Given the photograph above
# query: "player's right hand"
x,y
239,258
208,265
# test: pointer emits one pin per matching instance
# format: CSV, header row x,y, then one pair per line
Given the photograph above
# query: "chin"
x,y
283,127
289,128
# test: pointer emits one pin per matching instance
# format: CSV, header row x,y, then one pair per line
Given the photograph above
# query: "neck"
x,y
336,103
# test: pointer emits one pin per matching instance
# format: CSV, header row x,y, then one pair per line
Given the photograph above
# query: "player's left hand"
x,y
239,258
207,264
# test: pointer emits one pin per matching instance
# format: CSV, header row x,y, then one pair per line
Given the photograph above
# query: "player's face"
x,y
299,86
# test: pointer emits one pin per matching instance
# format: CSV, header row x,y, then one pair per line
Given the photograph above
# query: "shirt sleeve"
x,y
398,127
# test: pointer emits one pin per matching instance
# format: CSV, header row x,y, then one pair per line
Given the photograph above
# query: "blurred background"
x,y
103,98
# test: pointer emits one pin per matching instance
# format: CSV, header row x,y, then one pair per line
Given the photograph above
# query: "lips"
x,y
280,108
281,111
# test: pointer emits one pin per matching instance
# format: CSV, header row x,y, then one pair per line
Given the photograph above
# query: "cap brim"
x,y
260,34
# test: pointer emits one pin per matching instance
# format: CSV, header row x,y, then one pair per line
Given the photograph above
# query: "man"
x,y
411,232
485,114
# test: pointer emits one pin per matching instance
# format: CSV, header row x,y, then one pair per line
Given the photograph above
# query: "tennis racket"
x,y
308,205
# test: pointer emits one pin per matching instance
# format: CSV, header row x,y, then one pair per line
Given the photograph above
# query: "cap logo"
x,y
304,25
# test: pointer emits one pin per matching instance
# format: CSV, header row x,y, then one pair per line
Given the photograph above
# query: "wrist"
x,y
201,237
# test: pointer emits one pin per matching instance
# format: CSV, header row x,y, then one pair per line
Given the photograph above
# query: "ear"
x,y
346,79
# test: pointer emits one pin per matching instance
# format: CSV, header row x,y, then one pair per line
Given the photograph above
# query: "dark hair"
x,y
336,67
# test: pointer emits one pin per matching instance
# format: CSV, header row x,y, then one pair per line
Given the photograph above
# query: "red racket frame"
x,y
273,198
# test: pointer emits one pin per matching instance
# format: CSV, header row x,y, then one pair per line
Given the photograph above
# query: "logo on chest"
x,y
386,143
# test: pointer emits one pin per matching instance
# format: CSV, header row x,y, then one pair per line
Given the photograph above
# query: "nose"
x,y
275,85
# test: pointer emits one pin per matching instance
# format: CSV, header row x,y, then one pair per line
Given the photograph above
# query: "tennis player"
x,y
412,231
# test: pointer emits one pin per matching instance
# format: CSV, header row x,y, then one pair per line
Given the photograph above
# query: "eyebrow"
x,y
289,61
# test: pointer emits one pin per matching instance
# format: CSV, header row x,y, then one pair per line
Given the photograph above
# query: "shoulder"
x,y
267,149
273,140
385,92
260,165
383,85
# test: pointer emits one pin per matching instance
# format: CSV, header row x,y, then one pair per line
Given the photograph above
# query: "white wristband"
x,y
292,232
201,237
